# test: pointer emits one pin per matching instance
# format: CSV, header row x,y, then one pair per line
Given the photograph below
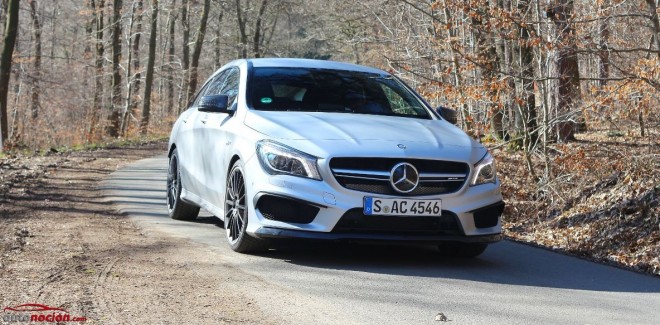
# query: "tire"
x,y
177,208
236,214
462,250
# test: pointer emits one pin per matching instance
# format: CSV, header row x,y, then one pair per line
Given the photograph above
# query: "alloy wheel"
x,y
235,208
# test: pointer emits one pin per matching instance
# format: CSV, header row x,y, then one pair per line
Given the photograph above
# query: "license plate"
x,y
401,207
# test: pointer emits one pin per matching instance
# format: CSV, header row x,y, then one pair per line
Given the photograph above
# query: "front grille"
x,y
372,175
355,221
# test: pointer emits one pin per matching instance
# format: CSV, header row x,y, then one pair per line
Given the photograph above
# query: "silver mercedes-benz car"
x,y
295,148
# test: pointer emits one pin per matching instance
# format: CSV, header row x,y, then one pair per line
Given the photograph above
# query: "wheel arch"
x,y
169,153
232,161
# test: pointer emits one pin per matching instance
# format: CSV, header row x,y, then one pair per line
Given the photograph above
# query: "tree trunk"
x,y
136,54
500,121
489,61
114,118
130,103
146,104
171,28
89,28
655,20
256,39
569,74
603,44
242,34
454,57
99,9
527,106
199,41
3,16
36,79
11,31
218,42
185,64
266,39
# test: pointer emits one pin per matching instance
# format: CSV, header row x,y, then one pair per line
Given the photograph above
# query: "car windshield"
x,y
323,90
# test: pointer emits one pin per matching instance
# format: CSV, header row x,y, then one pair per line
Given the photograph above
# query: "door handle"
x,y
203,121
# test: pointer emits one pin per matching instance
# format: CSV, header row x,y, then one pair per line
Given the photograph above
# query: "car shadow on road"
x,y
504,263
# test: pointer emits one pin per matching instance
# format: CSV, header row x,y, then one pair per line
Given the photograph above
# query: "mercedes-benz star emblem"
x,y
404,178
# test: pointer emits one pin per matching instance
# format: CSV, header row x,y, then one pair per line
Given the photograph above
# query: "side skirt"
x,y
193,198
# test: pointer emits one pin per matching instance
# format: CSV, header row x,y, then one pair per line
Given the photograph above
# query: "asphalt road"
x,y
332,283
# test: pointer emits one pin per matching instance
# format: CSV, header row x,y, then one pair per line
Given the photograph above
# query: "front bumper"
x,y
267,233
475,209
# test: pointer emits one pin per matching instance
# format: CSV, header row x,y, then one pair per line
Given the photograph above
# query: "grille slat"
x,y
354,221
372,175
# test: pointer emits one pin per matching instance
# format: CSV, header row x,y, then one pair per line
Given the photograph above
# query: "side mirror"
x,y
213,104
448,114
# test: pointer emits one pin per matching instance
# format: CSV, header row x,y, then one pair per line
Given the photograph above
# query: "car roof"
x,y
314,64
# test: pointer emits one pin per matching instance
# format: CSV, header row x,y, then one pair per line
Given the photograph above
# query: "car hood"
x,y
353,127
316,132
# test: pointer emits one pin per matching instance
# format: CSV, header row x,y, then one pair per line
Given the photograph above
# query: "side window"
x,y
230,87
212,87
216,84
199,95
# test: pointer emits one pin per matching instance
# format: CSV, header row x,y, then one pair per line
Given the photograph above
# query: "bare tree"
x,y
257,38
36,74
114,118
185,47
146,104
655,20
252,26
604,44
3,15
199,41
171,28
526,113
136,48
569,72
98,9
5,65
133,73
242,30
171,51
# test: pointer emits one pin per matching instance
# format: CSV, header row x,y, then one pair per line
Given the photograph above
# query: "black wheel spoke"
x,y
172,183
230,191
230,225
237,226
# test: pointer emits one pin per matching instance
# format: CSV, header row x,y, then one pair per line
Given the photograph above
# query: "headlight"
x,y
276,158
485,171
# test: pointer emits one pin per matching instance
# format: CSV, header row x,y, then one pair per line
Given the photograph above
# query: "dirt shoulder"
x,y
61,245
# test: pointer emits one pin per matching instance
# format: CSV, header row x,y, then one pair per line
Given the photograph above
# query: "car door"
x,y
193,144
215,172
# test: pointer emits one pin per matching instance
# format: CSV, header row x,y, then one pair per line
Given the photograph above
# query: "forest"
x,y
564,92
529,72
